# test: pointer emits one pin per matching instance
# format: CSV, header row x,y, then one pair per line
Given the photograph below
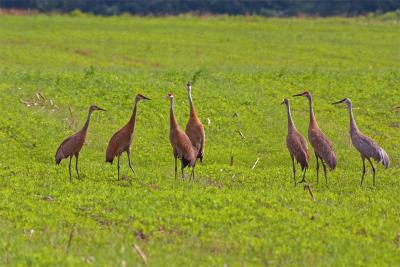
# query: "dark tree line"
x,y
232,7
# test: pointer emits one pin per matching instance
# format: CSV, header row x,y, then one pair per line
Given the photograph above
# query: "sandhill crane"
x,y
194,127
367,147
297,145
72,145
323,148
182,147
121,141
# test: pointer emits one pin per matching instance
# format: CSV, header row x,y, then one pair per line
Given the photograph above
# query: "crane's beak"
x,y
338,102
146,98
102,109
283,102
299,94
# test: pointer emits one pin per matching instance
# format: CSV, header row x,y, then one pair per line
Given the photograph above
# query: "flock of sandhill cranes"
x,y
188,145
323,149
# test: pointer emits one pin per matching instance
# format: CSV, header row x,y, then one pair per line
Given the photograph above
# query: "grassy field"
x,y
232,215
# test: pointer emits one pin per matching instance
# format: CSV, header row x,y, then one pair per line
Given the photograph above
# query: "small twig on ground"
x,y
141,254
255,163
241,134
25,103
71,235
397,238
70,112
40,96
309,189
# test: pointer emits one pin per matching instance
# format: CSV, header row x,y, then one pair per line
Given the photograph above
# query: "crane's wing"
x,y
196,134
296,148
200,153
304,145
183,146
369,148
323,147
68,148
117,144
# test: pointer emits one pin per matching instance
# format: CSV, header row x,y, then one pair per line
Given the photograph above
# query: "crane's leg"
x,y
118,166
317,166
304,175
70,174
176,168
294,171
326,178
183,175
363,174
76,165
129,160
373,171
192,175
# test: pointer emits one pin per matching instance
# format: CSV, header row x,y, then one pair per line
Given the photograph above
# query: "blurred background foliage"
x,y
232,7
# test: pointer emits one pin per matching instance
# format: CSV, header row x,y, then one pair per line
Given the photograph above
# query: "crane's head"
x,y
188,86
306,94
285,101
346,100
141,97
94,108
170,96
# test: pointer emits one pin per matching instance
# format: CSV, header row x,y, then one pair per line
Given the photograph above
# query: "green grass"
x,y
230,214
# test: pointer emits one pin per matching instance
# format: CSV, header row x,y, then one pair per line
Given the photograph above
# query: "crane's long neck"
x,y
132,120
192,112
290,120
86,126
172,120
353,125
313,121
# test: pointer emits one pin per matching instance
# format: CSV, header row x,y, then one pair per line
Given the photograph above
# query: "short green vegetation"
x,y
53,67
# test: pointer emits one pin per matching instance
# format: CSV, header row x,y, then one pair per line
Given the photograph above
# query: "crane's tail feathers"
x,y
304,165
200,156
384,158
185,162
302,158
109,160
331,160
59,156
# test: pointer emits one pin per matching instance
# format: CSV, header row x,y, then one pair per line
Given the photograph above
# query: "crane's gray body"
x,y
367,147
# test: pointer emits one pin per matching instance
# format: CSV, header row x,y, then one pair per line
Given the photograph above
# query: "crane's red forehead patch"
x,y
170,94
